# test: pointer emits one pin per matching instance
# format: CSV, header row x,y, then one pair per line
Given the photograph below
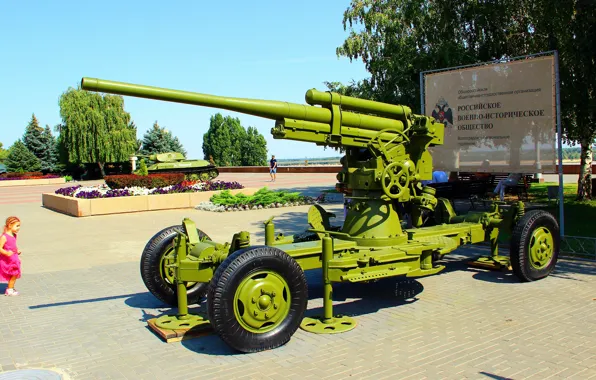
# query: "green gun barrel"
x,y
270,109
399,112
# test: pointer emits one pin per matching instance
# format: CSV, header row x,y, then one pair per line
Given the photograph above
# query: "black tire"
x,y
522,240
222,289
163,290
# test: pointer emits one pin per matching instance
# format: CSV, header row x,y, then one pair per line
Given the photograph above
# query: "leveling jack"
x,y
494,261
176,326
328,323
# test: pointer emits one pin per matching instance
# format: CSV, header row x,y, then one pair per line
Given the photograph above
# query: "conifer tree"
x,y
49,159
159,140
33,138
20,159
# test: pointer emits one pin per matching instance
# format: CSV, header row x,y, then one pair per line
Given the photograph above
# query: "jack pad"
x,y
175,322
491,262
336,325
171,333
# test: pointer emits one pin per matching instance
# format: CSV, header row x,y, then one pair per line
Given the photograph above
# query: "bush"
x,y
263,197
142,169
149,181
23,176
26,174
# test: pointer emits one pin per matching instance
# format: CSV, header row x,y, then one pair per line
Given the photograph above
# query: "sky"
x,y
250,49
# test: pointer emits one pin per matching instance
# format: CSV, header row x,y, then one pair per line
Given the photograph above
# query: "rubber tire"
x,y
223,285
150,273
520,242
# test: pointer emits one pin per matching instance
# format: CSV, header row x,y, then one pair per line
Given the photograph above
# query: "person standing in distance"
x,y
272,168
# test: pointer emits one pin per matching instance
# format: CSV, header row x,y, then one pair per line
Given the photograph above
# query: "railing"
x,y
578,247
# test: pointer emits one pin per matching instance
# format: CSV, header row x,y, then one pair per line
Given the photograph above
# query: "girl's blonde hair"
x,y
10,221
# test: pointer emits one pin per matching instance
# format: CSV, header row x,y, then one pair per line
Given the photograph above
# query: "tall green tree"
x,y
254,148
95,129
49,158
33,138
20,159
573,33
159,140
400,38
3,154
223,140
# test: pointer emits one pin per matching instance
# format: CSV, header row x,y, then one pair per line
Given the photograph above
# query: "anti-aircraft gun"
x,y
174,162
257,294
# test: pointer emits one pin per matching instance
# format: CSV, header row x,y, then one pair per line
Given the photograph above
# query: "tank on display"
x,y
257,294
174,162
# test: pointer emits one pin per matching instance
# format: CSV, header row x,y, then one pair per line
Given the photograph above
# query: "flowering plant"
x,y
104,191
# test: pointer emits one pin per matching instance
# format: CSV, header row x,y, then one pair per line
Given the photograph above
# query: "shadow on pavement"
x,y
90,300
492,376
362,299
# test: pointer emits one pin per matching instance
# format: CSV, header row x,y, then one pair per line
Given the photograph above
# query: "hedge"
x,y
149,181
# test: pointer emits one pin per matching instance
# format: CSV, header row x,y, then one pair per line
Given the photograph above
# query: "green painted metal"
x,y
327,323
541,248
183,320
262,301
386,157
174,162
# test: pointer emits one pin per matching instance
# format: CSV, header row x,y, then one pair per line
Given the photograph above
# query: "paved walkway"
x,y
83,311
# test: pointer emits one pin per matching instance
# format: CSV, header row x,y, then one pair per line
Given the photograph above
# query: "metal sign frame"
x,y
555,54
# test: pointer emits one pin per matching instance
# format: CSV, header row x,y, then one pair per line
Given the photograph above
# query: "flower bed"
x,y
19,176
101,200
104,191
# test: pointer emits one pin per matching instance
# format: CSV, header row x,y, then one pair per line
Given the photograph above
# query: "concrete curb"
x,y
104,206
32,182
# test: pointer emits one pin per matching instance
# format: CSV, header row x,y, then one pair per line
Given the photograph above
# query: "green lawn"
x,y
580,217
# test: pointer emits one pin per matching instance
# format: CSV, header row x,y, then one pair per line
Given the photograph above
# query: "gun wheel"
x,y
534,246
257,299
158,278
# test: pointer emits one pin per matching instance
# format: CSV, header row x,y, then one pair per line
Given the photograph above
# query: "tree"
x,y
401,38
574,35
49,158
33,139
21,160
3,154
95,129
159,140
254,148
223,140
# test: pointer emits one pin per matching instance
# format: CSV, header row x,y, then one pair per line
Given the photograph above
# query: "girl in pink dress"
x,y
10,262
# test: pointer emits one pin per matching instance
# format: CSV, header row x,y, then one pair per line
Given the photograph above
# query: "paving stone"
x,y
85,311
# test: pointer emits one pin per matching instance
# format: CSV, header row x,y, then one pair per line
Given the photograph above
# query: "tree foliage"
x,y
400,38
3,154
159,140
21,160
254,148
33,139
49,158
229,144
142,168
95,128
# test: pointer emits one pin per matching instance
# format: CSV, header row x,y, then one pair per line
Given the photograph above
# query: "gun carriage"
x,y
257,294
